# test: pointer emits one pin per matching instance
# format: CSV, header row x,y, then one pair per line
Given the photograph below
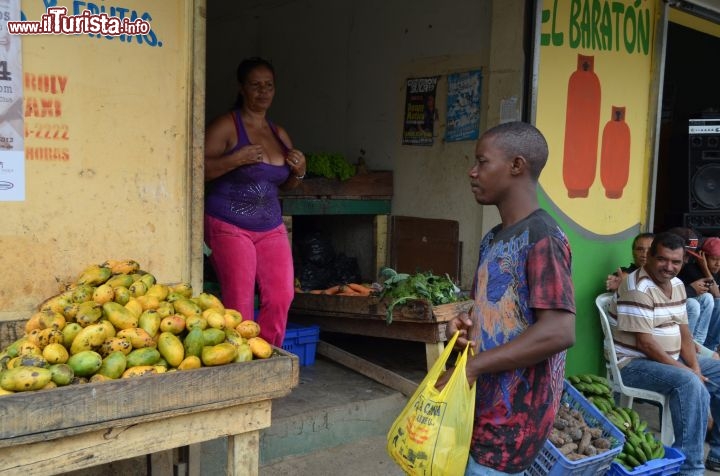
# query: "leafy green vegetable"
x,y
329,165
402,287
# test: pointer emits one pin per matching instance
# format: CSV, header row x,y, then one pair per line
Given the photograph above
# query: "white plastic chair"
x,y
628,394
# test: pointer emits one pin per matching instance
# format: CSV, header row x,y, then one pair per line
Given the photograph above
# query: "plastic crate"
x,y
670,464
302,341
551,462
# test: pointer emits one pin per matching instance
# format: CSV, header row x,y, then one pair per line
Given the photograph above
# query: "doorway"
x,y
686,170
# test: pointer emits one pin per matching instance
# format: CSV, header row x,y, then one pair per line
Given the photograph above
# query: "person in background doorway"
x,y
699,302
656,351
248,159
709,262
523,319
640,247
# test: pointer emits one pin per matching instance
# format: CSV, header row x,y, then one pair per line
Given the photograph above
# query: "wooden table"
x,y
414,321
68,428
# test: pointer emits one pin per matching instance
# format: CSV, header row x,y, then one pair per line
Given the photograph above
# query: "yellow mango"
x,y
194,342
62,374
213,336
190,362
219,354
83,293
89,338
244,353
159,291
248,329
22,379
196,321
134,306
187,308
260,347
165,309
183,289
116,344
122,295
103,293
85,363
171,348
148,279
148,302
140,370
120,316
215,318
150,321
113,365
70,331
139,338
55,353
120,280
210,301
94,275
232,318
138,288
143,356
174,324
88,312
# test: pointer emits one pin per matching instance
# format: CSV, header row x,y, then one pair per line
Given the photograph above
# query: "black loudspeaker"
x,y
704,174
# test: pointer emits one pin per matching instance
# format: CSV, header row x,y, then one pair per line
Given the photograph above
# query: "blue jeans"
x,y
699,311
690,400
475,469
713,335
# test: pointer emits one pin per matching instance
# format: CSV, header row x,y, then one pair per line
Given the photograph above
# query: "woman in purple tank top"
x,y
247,160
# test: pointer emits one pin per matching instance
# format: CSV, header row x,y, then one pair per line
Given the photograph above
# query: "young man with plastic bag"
x,y
523,319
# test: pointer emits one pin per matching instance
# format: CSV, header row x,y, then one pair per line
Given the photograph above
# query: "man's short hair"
x,y
520,139
671,241
641,236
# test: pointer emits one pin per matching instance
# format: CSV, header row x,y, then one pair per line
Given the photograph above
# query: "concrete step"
x,y
332,406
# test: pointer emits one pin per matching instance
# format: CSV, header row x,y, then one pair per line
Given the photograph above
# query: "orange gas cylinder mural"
x,y
615,154
582,124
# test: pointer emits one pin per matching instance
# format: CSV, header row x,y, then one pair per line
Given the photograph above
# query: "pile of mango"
x,y
641,445
115,321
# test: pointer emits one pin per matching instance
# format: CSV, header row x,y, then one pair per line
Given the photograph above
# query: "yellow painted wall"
x,y
116,182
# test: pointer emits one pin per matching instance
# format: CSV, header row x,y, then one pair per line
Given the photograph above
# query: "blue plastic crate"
x,y
302,341
670,464
551,462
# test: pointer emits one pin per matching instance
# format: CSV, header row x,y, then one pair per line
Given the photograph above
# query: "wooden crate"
x,y
373,307
377,185
48,414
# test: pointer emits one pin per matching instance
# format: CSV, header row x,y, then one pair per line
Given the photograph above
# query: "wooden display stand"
x,y
68,428
414,321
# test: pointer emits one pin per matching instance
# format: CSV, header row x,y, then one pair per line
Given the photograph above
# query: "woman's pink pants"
x,y
242,258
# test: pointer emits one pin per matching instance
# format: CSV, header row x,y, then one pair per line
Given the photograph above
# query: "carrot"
x,y
359,288
333,289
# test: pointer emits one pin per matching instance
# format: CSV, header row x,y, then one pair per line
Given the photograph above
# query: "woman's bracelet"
x,y
300,177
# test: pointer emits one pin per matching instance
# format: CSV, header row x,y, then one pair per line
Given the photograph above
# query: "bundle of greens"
x,y
403,287
329,165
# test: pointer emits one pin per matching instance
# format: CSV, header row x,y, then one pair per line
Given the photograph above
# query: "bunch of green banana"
x,y
640,447
596,389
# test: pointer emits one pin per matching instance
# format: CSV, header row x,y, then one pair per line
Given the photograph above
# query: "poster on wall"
x,y
420,111
12,156
463,106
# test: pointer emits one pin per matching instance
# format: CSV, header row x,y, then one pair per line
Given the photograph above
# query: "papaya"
x,y
83,293
122,295
94,275
116,344
210,301
134,306
183,289
196,321
219,354
50,336
85,363
159,291
232,318
22,379
120,280
30,360
148,279
214,317
165,309
171,348
148,302
138,288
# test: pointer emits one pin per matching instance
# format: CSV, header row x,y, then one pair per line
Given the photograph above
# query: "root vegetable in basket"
x,y
403,287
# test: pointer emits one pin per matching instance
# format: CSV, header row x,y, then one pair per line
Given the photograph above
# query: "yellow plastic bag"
x,y
431,436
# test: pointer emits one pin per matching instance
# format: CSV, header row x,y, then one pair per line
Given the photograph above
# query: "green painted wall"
x,y
593,259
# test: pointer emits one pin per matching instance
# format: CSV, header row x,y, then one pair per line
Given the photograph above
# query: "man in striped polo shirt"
x,y
656,351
